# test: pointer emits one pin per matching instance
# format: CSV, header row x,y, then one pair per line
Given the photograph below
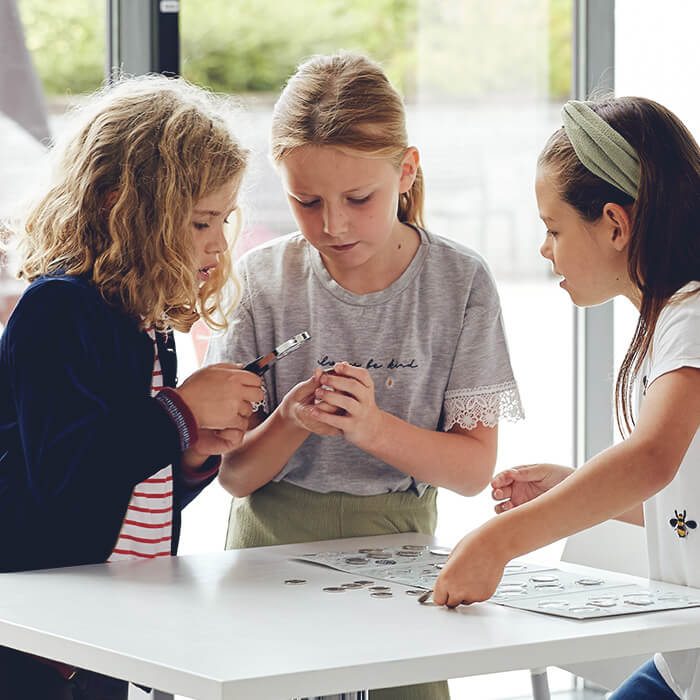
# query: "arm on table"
x,y
610,485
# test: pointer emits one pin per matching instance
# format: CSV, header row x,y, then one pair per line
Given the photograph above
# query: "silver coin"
x,y
415,547
507,587
363,583
366,550
638,599
509,594
294,581
424,597
589,581
553,605
407,554
379,588
378,555
440,551
385,562
353,585
356,560
544,578
412,591
382,594
602,602
333,589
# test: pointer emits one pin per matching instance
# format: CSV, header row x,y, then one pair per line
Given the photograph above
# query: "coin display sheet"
x,y
524,585
563,593
411,565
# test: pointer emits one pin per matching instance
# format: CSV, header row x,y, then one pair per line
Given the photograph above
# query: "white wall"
x,y
657,55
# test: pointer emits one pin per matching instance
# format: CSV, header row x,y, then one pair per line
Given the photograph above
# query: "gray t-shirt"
x,y
433,342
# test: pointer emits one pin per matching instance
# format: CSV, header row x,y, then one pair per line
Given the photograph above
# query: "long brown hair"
x,y
158,145
664,249
346,101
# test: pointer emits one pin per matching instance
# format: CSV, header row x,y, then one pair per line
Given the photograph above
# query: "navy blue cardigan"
x,y
78,427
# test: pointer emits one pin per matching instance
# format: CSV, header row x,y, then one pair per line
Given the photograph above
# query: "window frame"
x,y
143,36
593,74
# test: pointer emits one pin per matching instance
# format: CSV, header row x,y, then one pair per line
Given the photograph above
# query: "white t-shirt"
x,y
674,547
433,342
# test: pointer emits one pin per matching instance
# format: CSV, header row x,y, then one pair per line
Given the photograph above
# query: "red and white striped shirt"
x,y
147,528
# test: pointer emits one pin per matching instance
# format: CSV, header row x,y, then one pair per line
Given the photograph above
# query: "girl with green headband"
x,y
618,188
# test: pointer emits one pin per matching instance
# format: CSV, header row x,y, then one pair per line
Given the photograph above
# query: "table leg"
x,y
540,686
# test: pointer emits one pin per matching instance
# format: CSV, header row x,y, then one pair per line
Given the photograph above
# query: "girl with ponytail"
x,y
408,322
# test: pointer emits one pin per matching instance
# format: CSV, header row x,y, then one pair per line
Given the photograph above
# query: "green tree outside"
x,y
67,41
250,46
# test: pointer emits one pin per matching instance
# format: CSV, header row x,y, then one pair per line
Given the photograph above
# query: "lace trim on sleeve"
x,y
485,404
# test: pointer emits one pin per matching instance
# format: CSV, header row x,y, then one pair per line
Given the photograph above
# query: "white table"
x,y
223,625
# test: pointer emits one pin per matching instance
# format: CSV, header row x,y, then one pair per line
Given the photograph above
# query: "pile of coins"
x,y
375,590
383,557
384,562
380,591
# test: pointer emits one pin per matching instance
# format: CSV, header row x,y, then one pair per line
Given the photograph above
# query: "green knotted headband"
x,y
600,148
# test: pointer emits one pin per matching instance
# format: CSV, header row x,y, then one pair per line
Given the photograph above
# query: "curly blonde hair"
x,y
155,146
346,101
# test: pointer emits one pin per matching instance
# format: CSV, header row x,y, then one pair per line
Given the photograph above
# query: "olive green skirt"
x,y
281,513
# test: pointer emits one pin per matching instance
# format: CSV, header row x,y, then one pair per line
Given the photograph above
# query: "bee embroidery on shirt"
x,y
681,525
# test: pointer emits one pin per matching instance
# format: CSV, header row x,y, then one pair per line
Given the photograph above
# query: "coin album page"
x,y
526,586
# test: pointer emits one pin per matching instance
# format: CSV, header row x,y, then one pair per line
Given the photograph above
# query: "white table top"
x,y
224,625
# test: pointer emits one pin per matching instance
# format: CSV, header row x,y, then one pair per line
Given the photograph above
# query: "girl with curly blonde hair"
x,y
99,450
